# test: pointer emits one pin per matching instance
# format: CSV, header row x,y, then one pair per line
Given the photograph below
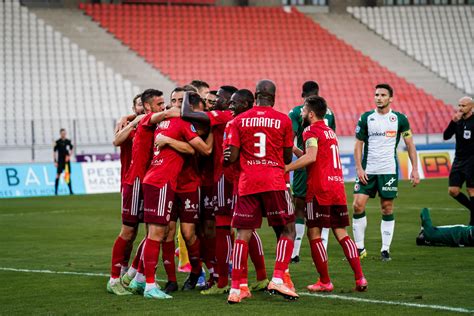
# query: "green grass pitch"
x,y
76,234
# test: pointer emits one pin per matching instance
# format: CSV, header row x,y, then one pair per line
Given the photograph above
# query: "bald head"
x,y
465,107
466,101
265,92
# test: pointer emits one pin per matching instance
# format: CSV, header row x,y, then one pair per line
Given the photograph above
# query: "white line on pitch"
x,y
372,301
95,274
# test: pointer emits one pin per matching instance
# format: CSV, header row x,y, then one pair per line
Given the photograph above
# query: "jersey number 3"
x,y
261,145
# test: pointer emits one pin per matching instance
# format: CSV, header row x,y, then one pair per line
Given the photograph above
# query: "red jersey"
x,y
261,133
325,180
218,120
189,178
167,162
231,171
126,155
142,150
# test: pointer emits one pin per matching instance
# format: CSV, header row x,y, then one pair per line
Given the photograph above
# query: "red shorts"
x,y
223,193
333,216
186,207
276,205
158,204
208,202
132,203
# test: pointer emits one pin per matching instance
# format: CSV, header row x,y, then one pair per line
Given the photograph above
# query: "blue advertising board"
x,y
37,180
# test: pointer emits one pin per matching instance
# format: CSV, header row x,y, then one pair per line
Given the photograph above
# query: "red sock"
x,y
257,257
208,253
283,256
223,254
239,263
127,253
151,252
193,255
136,259
320,259
168,259
118,252
350,250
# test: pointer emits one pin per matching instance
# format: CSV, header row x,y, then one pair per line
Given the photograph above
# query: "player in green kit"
x,y
378,133
453,235
310,88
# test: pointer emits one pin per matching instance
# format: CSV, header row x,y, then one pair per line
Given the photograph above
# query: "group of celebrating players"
x,y
220,160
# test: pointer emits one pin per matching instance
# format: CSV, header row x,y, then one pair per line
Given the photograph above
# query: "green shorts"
x,y
385,184
299,183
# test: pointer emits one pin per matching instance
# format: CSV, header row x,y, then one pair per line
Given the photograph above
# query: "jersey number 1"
x,y
335,157
261,145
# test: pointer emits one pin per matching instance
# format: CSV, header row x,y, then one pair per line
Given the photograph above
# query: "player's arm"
x,y
180,146
361,174
298,152
55,154
308,158
123,121
287,155
188,113
122,135
203,147
411,148
231,154
157,118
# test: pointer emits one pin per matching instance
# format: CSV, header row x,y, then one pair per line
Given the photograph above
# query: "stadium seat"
x,y
240,45
436,36
46,78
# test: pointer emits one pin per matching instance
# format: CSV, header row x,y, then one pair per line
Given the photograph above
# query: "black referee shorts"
x,y
462,171
62,166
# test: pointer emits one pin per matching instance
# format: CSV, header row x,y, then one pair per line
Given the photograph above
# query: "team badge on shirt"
x,y
393,118
467,134
193,129
357,129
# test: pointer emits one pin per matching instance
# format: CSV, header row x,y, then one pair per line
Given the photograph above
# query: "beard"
x,y
305,123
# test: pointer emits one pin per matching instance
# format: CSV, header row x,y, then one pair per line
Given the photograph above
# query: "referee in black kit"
x,y
462,125
62,160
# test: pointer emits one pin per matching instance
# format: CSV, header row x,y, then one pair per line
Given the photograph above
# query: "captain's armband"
x,y
407,134
311,142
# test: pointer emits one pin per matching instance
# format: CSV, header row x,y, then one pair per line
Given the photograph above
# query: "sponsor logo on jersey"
x,y
193,129
214,113
393,118
377,134
371,119
390,133
390,189
467,134
336,178
391,181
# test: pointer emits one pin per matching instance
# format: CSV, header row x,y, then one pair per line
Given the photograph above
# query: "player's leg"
x,y
339,222
169,246
387,227
132,270
258,260
158,203
59,170
457,177
469,172
207,233
359,222
299,227
281,200
246,218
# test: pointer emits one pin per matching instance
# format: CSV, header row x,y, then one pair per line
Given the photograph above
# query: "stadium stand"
x,y
48,82
241,45
439,37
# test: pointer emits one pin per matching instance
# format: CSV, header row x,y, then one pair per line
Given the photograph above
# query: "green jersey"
x,y
381,135
297,122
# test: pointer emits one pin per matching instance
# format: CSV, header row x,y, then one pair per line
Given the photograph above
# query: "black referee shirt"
x,y
464,130
63,146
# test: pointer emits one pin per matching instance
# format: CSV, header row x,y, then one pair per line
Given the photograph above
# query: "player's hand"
x,y
67,158
227,154
457,116
162,140
414,178
362,175
135,122
121,124
173,112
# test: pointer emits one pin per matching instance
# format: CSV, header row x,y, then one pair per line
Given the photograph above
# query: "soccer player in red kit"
x,y
125,141
325,197
152,101
217,229
159,187
262,138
